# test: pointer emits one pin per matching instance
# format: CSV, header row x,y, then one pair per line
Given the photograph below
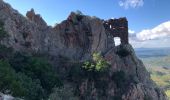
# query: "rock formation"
x,y
118,28
77,38
35,18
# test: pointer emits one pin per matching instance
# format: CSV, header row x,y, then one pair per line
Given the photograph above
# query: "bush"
x,y
98,63
122,52
24,76
28,77
78,74
18,84
89,66
36,68
32,88
8,81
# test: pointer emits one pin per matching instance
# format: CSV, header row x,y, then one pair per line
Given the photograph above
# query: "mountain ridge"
x,y
76,39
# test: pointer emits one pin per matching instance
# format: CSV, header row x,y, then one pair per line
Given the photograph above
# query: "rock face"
x,y
35,18
77,38
117,28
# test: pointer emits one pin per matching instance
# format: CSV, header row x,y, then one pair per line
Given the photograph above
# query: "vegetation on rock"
x,y
98,63
26,76
122,52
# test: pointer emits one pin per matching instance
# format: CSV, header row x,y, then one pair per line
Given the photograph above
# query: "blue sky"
x,y
142,15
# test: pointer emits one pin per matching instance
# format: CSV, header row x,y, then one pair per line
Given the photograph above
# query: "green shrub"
x,y
28,77
90,66
122,52
78,74
32,88
98,63
36,68
18,84
8,82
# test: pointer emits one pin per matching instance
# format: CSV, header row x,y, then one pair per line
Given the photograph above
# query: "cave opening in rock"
x,y
117,41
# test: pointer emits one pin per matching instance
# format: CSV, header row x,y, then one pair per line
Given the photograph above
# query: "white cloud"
x,y
152,38
131,3
158,43
160,31
131,31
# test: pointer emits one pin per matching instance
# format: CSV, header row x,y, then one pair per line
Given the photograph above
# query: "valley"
x,y
157,62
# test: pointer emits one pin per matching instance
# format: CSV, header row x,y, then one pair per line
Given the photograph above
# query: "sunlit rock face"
x,y
35,18
80,34
77,38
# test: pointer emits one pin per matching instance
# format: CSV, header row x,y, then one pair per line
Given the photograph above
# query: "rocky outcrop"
x,y
35,18
77,38
81,35
117,28
23,34
141,86
126,79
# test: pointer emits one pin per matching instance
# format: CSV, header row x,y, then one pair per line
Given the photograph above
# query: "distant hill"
x,y
161,76
159,57
152,52
157,62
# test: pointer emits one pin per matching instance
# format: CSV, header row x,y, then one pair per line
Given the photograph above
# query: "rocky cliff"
x,y
76,39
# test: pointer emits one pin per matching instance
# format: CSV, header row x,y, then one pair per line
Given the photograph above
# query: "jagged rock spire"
x,y
35,18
